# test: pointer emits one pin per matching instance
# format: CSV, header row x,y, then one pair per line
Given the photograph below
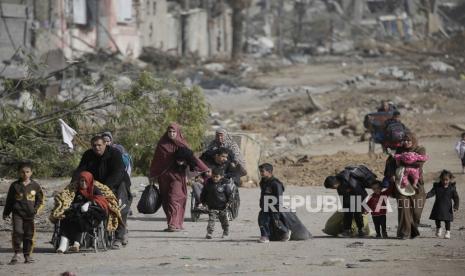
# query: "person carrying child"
x,y
443,210
377,203
24,200
217,195
460,149
411,174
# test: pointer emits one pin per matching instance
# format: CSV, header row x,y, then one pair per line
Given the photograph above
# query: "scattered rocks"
x,y
123,83
396,73
343,46
281,139
441,67
353,266
214,67
333,261
355,244
261,46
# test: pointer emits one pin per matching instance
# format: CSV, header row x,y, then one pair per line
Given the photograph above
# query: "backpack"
x,y
395,132
360,174
127,160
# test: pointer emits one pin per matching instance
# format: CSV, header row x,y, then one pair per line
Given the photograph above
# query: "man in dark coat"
x,y
348,186
272,225
106,165
221,159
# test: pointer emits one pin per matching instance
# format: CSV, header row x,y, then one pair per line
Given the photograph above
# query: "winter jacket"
x,y
217,195
24,200
442,208
107,169
271,187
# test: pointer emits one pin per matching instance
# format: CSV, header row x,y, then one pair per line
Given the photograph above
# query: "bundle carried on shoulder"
x,y
64,199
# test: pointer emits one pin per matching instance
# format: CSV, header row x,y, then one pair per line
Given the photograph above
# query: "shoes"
x,y
124,242
287,236
447,235
264,240
74,248
385,235
14,260
345,234
378,236
28,259
225,235
208,236
438,232
361,234
117,244
171,229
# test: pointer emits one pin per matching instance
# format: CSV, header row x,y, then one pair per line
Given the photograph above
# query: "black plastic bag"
x,y
298,230
150,200
278,227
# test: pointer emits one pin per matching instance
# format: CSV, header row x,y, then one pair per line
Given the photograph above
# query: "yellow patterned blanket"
x,y
64,199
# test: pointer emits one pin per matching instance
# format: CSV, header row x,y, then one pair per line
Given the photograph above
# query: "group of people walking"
x,y
100,191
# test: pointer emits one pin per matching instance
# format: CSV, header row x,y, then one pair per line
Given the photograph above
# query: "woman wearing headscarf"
x,y
224,140
88,208
170,161
410,201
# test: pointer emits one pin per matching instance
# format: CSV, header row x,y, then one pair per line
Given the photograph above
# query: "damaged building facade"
x,y
117,26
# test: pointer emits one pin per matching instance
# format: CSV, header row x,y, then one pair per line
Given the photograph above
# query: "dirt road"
x,y
153,252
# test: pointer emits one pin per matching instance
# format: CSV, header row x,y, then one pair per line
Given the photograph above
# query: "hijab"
x,y
88,192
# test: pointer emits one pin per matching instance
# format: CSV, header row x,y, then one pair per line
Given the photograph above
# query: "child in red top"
x,y
377,203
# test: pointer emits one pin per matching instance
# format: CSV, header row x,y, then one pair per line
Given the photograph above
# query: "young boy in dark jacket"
x,y
269,219
24,199
217,195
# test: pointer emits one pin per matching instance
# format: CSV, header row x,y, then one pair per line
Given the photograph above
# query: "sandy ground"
x,y
152,251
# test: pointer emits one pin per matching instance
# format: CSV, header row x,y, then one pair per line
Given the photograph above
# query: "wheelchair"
x,y
97,238
232,211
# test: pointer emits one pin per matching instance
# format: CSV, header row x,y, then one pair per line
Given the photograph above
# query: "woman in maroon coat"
x,y
172,180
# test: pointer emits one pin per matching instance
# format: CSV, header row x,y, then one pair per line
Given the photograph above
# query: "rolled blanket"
x,y
64,199
407,190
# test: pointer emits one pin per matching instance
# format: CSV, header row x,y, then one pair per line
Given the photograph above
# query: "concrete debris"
x,y
214,67
342,47
123,83
396,73
261,46
441,67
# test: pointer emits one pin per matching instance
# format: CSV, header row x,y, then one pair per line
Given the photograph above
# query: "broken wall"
x,y
195,33
14,29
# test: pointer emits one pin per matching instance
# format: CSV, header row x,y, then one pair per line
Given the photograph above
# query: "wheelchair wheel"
x,y
101,237
194,214
56,236
234,209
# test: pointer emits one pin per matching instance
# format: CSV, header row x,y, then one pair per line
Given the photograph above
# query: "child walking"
x,y
24,199
445,193
217,196
460,149
377,204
